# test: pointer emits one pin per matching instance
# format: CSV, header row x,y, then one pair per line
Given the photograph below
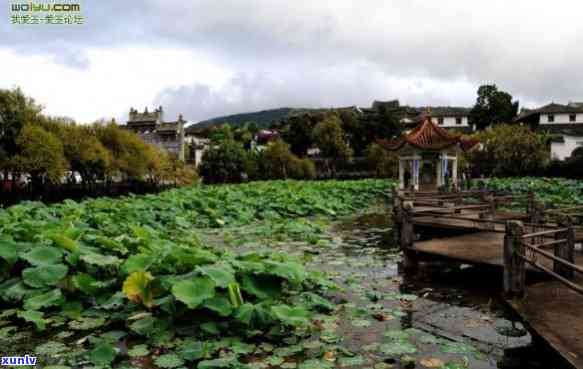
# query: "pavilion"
x,y
431,151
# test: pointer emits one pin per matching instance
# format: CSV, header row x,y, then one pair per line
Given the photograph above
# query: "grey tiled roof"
x,y
551,108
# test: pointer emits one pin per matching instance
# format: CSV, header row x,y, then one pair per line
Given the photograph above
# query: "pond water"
x,y
445,316
452,315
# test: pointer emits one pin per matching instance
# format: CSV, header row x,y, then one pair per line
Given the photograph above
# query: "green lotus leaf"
x,y
136,263
291,271
194,350
226,362
103,354
15,289
64,241
262,286
192,292
44,275
43,255
220,305
35,317
222,275
169,361
51,298
245,313
8,250
294,316
138,350
397,348
100,260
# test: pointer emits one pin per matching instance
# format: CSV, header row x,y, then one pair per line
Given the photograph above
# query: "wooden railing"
x,y
522,248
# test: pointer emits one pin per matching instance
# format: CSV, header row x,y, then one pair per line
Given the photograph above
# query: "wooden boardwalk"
x,y
517,243
475,248
555,312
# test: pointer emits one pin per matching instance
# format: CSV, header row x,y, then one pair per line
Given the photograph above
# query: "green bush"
x,y
508,150
278,162
384,163
224,163
302,169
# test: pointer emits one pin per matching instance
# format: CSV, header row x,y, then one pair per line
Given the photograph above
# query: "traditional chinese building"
x,y
428,156
563,122
153,129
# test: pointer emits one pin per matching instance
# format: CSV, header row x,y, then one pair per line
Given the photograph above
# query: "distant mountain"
x,y
263,119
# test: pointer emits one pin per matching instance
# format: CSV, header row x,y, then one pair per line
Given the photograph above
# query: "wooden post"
x,y
565,251
537,213
514,266
493,206
530,205
397,214
458,201
410,262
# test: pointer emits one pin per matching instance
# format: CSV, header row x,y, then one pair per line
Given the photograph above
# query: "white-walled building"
x,y
565,122
451,117
563,146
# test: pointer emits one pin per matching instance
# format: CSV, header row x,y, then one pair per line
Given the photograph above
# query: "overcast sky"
x,y
205,58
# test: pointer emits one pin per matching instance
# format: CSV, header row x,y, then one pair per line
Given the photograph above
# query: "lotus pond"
x,y
279,274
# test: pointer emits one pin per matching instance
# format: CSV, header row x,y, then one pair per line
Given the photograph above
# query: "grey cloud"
x,y
258,91
529,48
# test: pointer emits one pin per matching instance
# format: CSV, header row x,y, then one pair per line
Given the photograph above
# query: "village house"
x,y
196,146
564,122
152,128
448,117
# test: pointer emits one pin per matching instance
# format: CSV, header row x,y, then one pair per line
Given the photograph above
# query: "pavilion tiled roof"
x,y
429,136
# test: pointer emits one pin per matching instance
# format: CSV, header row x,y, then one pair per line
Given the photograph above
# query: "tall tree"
x,y
297,132
355,132
330,138
16,109
508,150
40,154
492,107
223,162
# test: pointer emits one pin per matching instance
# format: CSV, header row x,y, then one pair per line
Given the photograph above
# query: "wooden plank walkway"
x,y
469,224
555,313
484,248
552,310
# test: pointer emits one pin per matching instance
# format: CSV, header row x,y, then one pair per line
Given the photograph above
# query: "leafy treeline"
x,y
492,106
122,278
338,135
56,150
